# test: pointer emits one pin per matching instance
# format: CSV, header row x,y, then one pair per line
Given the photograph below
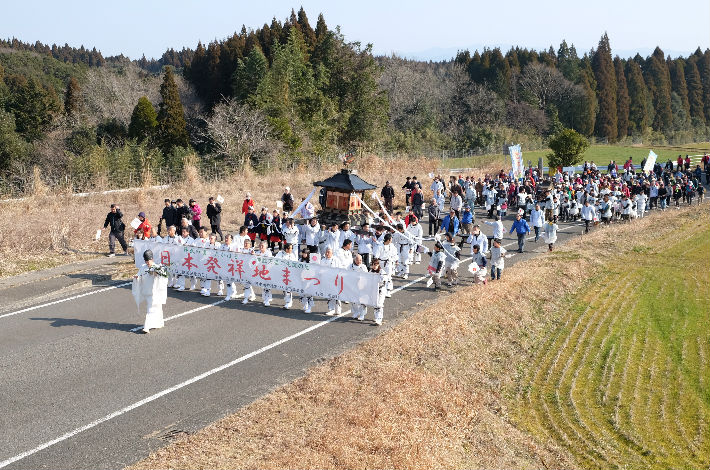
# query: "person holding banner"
x,y
287,254
334,305
358,310
306,301
312,235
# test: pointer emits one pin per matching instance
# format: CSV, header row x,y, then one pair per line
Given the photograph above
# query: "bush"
x,y
568,147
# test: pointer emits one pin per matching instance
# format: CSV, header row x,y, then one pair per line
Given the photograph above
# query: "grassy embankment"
x,y
625,380
599,154
520,376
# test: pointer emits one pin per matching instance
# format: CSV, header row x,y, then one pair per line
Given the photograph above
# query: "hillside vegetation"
x,y
292,94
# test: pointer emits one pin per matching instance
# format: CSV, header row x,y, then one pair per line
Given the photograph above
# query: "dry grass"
x,y
435,391
49,228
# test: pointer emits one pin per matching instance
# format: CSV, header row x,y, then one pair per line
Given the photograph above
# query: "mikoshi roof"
x,y
347,181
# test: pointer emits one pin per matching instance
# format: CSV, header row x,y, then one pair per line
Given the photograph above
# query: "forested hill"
x,y
290,92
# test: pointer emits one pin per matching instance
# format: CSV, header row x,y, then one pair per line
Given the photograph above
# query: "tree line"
x,y
288,93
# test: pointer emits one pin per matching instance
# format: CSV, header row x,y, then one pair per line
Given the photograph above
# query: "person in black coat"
x,y
114,219
287,200
214,213
181,210
387,194
169,215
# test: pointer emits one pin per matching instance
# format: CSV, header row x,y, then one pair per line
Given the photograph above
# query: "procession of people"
x,y
390,242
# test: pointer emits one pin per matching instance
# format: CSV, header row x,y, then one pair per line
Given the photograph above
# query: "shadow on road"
x,y
98,325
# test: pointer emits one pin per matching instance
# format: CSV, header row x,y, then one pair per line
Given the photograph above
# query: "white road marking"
x,y
74,297
174,388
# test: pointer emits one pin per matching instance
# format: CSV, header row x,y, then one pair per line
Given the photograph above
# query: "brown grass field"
x,y
50,228
444,390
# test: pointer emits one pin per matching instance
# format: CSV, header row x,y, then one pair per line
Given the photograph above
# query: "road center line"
x,y
74,297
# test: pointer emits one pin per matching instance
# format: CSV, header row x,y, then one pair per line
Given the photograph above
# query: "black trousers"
x,y
434,224
217,229
312,248
366,259
112,237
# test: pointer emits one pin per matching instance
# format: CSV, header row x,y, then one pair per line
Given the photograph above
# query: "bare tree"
x,y
545,84
239,135
111,92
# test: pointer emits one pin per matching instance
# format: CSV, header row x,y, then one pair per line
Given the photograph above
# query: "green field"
x,y
624,380
599,154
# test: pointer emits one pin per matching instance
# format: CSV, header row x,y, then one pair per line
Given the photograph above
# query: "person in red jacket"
x,y
248,202
144,226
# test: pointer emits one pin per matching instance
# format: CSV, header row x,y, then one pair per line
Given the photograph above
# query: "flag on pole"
x,y
650,161
516,158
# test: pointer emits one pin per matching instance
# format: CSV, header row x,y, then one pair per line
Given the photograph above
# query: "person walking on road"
x,y
114,220
522,228
588,214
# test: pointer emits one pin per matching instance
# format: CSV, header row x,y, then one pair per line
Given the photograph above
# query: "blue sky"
x,y
416,28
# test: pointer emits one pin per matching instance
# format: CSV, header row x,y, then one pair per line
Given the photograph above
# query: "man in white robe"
x,y
151,288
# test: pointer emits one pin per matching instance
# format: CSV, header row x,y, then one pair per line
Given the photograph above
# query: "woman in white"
x,y
334,305
550,235
249,295
287,254
207,283
151,288
171,239
264,251
537,220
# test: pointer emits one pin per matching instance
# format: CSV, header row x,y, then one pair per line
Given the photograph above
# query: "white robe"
x,y
153,290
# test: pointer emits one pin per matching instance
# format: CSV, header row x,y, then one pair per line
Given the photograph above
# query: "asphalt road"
x,y
78,389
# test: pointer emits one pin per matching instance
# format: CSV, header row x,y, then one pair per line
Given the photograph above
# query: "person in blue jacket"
x,y
450,224
522,228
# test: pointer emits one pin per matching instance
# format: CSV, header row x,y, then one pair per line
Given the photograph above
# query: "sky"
x,y
425,30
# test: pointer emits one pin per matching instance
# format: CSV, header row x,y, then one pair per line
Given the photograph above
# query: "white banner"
x,y
516,158
262,271
650,161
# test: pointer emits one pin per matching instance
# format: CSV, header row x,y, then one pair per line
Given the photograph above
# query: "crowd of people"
x,y
389,243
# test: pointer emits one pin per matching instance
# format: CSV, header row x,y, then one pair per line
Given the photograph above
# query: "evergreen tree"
x,y
172,129
681,120
622,98
248,75
639,112
678,85
144,120
703,64
309,36
587,106
658,81
695,91
72,98
568,62
497,75
321,28
607,120
33,106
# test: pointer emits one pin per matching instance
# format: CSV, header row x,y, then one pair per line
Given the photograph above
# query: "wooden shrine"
x,y
341,203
